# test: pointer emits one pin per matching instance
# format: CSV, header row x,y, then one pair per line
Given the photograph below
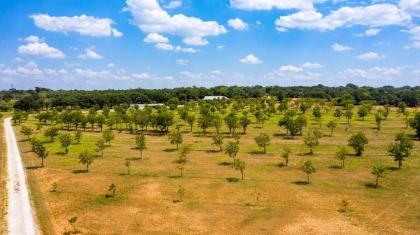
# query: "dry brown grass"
x,y
212,205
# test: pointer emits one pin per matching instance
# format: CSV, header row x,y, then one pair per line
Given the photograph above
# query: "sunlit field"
x,y
272,198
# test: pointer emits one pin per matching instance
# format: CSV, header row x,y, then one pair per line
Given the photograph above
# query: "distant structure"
x,y
143,106
215,98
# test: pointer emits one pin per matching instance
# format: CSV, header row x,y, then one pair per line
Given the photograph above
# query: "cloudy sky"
x,y
98,44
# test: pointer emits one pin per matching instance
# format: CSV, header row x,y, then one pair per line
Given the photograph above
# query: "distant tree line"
x,y
41,98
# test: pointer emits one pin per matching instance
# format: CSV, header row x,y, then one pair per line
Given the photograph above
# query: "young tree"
x,y
263,141
182,157
308,168
108,136
218,141
239,165
112,189
286,155
317,114
86,158
100,146
141,144
127,163
244,121
175,138
415,124
41,152
386,111
311,140
51,132
349,115
378,120
341,154
181,193
190,119
65,140
379,172
232,149
34,142
78,136
401,149
72,221
26,131
332,125
338,113
232,122
358,142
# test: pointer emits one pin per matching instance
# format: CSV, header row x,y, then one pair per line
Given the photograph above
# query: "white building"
x,y
143,106
215,98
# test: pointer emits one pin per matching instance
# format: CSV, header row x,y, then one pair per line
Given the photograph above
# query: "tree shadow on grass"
x,y
281,165
133,158
32,167
79,171
257,152
174,176
170,150
225,163
300,182
232,179
336,167
371,185
393,168
213,151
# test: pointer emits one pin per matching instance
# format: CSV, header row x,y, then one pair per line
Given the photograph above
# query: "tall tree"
x,y
358,142
86,158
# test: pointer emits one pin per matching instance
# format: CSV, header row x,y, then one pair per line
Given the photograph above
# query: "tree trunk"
x,y
307,178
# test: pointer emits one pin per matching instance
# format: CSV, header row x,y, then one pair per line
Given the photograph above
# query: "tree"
x,y
217,122
65,140
182,157
338,113
181,193
349,115
51,132
72,221
78,136
190,119
363,111
127,163
341,154
308,168
34,142
218,141
415,124
358,142
108,136
379,172
112,189
332,125
378,120
239,165
141,144
317,114
232,149
232,122
175,138
401,149
100,146
26,131
86,158
100,120
263,141
386,111
311,140
286,155
244,121
41,152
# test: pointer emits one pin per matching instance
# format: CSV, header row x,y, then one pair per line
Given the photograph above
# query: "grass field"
x,y
144,200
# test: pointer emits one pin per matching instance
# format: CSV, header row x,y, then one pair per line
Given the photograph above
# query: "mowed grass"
x,y
144,201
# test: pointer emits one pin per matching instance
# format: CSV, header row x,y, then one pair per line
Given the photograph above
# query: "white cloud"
x,y
110,65
151,18
411,6
251,59
310,65
164,46
84,25
339,47
38,48
290,69
372,32
195,41
156,38
170,47
373,16
90,73
369,56
415,37
270,4
237,24
90,53
182,62
173,4
371,73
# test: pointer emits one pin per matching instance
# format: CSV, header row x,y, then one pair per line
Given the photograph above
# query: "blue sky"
x,y
97,44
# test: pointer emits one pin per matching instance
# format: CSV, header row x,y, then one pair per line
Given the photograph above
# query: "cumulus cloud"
x,y
182,62
310,65
90,53
373,16
369,56
339,48
415,37
156,38
290,69
84,25
371,73
237,24
173,4
38,48
170,47
372,32
151,18
271,4
411,7
251,59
